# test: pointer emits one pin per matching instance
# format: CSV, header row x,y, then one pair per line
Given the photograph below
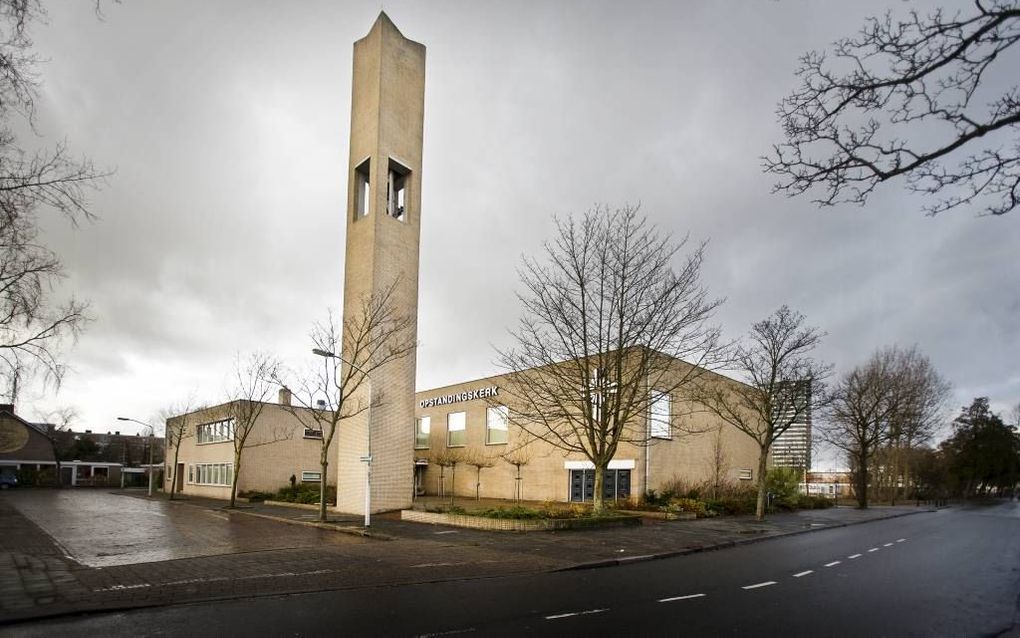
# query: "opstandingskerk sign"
x,y
469,395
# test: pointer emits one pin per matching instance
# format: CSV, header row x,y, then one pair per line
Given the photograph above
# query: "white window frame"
x,y
312,433
746,475
215,431
462,429
422,430
497,419
660,420
213,474
308,476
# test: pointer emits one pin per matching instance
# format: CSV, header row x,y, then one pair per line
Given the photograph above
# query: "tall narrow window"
x,y
456,426
362,189
496,425
421,432
658,413
396,191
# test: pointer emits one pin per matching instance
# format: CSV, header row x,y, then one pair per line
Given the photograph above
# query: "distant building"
x,y
129,450
793,447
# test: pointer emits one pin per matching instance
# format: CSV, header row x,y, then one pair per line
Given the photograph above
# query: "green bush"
x,y
256,496
806,502
307,493
516,512
732,505
27,477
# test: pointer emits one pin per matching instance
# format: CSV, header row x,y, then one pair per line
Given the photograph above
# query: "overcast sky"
x,y
222,230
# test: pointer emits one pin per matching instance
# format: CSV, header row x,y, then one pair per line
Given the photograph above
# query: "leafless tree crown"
x,y
904,99
32,327
608,311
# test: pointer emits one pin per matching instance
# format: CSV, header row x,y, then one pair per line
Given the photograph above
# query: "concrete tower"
x,y
383,228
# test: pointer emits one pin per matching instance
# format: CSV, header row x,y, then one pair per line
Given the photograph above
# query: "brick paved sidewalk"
x,y
50,583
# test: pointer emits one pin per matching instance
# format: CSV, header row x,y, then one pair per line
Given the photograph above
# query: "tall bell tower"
x,y
383,229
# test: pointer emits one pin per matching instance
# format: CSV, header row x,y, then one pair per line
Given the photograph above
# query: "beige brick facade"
x,y
689,456
387,122
276,449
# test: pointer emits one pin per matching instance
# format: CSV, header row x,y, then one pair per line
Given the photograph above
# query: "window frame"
x,y
655,421
462,431
505,417
420,432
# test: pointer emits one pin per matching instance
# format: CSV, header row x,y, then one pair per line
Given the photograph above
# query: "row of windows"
x,y
211,473
216,431
496,428
496,419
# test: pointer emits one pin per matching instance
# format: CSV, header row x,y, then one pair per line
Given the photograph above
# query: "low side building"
x,y
278,447
470,421
23,445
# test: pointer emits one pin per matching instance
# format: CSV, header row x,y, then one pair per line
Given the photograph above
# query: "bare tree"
x,y
176,431
518,457
253,385
59,420
718,462
606,319
904,99
782,384
369,339
897,394
479,462
448,458
32,327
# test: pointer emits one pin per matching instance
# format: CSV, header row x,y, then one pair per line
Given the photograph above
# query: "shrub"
x,y
806,502
256,496
515,512
307,493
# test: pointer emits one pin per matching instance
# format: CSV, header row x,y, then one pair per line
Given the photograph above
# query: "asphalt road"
x,y
953,572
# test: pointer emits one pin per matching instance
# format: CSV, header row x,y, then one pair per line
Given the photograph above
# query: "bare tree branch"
x,y
903,99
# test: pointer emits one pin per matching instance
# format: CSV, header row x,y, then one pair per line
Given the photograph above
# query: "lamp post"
x,y
152,431
367,459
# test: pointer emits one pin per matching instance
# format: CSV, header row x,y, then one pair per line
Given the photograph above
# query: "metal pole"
x,y
150,461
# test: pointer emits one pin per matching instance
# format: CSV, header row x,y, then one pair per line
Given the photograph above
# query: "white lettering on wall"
x,y
457,397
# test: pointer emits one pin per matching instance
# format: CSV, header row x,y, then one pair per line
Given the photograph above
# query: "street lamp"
x,y
367,459
152,431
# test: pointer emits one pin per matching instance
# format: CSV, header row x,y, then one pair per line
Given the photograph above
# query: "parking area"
x,y
97,528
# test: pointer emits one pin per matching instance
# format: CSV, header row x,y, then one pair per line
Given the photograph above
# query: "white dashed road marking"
x,y
874,549
804,573
833,563
576,613
887,545
757,585
854,556
900,540
687,597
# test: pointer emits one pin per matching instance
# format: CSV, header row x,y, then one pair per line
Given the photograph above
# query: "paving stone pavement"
x,y
208,553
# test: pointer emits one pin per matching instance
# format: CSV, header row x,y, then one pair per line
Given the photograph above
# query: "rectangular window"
x,y
312,433
746,475
456,426
496,425
421,432
396,191
311,477
191,474
212,473
215,432
362,189
658,414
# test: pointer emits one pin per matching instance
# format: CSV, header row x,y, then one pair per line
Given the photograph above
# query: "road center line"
x,y
687,597
853,556
833,563
887,545
804,573
757,585
874,549
900,540
576,613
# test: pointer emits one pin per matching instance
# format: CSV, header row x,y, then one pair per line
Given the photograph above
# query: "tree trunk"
x,y
323,465
759,510
598,502
453,484
233,479
478,483
173,482
862,480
